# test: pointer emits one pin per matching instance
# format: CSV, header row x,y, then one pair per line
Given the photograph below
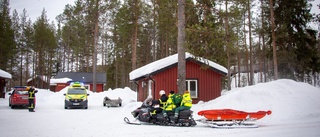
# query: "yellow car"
x,y
76,96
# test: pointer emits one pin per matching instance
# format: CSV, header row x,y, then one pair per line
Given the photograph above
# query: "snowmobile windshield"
x,y
76,91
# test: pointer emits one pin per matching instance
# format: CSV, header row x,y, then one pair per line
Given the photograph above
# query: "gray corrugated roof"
x,y
82,76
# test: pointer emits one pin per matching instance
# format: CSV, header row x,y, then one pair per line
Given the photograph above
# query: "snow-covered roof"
x,y
168,61
42,77
59,80
5,74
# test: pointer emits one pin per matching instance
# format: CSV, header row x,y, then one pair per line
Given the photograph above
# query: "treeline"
x,y
116,37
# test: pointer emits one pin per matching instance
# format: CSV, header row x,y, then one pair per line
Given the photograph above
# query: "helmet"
x,y
161,92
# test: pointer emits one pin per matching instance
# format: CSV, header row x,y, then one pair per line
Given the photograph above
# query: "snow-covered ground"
x,y
295,110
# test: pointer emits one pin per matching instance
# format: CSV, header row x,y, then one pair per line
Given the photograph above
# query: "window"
x,y
192,86
150,82
76,91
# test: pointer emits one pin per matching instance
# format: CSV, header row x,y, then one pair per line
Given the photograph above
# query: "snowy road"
x,y
295,114
97,121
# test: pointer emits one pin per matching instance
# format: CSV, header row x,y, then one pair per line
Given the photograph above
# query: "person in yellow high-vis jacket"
x,y
186,104
31,97
169,106
157,105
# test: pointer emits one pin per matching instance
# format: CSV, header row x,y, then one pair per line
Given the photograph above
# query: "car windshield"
x,y
21,92
76,91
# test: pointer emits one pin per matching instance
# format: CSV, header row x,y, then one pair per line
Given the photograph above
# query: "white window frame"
x,y
193,93
150,82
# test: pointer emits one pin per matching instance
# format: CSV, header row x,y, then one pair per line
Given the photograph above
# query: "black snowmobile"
x,y
143,116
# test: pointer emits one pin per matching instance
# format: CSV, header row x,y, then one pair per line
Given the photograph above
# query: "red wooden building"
x,y
84,77
4,78
38,82
203,78
58,84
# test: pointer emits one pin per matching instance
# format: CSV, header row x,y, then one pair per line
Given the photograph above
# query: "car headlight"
x,y
84,98
68,98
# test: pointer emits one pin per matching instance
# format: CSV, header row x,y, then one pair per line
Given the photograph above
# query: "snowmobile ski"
x,y
233,126
229,124
125,119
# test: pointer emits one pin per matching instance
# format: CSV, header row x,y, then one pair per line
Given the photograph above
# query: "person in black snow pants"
x,y
157,105
31,97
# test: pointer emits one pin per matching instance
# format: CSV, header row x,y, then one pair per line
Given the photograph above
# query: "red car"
x,y
19,97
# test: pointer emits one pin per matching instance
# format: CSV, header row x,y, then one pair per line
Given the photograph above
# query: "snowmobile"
x,y
142,115
230,118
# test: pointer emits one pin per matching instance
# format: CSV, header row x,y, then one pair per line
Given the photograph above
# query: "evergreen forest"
x,y
271,37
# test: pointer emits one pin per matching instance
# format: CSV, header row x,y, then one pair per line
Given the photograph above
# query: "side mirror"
x,y
64,94
9,93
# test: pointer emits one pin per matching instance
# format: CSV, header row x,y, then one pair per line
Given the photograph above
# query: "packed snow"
x,y
295,110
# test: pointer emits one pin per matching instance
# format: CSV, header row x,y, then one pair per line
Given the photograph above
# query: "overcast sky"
x,y
56,7
35,7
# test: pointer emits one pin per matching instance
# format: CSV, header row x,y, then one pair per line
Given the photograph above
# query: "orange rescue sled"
x,y
230,118
231,114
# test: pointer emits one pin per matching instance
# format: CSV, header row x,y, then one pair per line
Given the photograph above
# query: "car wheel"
x,y
85,107
12,106
119,104
65,107
104,104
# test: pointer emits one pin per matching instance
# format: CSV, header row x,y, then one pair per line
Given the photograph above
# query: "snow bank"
x,y
286,99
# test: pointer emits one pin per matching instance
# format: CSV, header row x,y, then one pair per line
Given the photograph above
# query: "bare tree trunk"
x,y
27,67
154,31
181,47
265,70
116,76
246,48
95,45
239,65
275,63
134,37
260,59
227,46
250,44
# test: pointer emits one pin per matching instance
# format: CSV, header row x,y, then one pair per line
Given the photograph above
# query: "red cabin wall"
x,y
61,86
209,82
99,87
33,82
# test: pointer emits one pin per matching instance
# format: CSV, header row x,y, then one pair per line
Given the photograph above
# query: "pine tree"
x,y
7,40
44,47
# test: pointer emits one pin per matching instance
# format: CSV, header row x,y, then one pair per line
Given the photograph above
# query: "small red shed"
x,y
38,81
84,77
58,84
4,79
203,78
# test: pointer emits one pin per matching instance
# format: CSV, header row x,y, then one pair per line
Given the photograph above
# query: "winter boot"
x,y
165,115
175,119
